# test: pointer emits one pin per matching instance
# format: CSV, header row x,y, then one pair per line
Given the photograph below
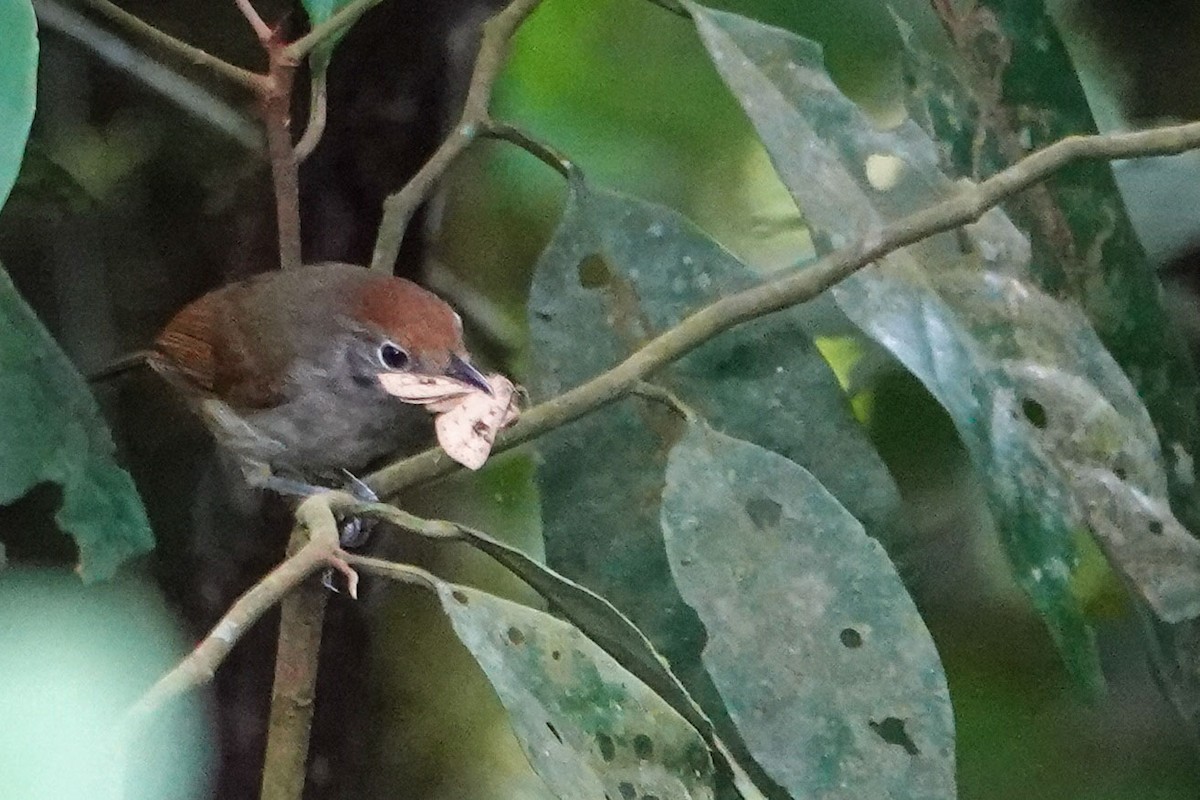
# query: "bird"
x,y
285,368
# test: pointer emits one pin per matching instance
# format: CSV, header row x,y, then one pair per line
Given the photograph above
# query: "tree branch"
x,y
194,55
796,286
293,693
314,517
399,207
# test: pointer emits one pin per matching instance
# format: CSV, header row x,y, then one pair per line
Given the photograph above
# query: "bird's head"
x,y
409,330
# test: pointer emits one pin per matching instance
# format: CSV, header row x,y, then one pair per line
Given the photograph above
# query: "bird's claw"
x,y
354,530
338,563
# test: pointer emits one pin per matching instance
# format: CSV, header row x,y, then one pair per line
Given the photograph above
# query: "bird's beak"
x,y
463,372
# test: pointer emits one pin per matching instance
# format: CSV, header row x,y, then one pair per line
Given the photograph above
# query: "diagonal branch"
x,y
797,286
398,208
186,52
315,516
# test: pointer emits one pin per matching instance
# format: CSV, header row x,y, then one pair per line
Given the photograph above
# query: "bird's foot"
x,y
337,563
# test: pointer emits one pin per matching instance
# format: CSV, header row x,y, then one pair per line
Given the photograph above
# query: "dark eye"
x,y
392,357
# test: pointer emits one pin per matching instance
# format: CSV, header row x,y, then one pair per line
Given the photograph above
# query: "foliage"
x,y
725,615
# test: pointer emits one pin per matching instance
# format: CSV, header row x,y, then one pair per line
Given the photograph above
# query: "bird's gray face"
x,y
369,355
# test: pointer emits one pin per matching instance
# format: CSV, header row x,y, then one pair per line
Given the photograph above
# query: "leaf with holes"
x,y
51,431
617,271
1084,245
589,728
18,87
1037,399
844,696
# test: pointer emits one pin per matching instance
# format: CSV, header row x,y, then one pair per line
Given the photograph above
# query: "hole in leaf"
x,y
608,750
1035,412
851,638
594,272
459,596
627,791
891,730
764,512
515,636
643,748
554,731
1156,527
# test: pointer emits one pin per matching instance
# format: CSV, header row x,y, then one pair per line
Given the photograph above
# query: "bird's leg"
x,y
352,531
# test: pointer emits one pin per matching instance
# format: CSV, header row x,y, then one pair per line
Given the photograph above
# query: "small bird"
x,y
285,368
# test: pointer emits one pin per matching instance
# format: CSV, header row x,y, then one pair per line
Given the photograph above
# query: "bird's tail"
x,y
119,367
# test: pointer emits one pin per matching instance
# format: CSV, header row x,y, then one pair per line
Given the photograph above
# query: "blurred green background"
x,y
117,174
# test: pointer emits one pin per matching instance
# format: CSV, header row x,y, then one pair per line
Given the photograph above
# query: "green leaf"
x,y
51,430
616,271
843,695
1084,245
1035,396
320,11
18,87
601,622
589,728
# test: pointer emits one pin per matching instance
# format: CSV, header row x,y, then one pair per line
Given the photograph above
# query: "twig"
x,y
540,150
796,286
398,208
242,77
664,396
186,94
344,18
318,105
394,570
261,29
313,516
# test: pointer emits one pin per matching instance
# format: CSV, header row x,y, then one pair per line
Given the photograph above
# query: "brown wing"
x,y
205,350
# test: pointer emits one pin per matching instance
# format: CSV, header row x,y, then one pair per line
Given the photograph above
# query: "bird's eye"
x,y
392,356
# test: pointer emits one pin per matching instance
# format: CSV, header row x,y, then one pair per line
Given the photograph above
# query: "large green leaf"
x,y
1038,401
988,112
18,86
821,656
589,728
616,271
51,430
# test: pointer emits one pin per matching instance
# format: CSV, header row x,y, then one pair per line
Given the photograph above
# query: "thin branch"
x,y
399,207
318,106
344,18
315,517
184,93
797,286
664,396
261,29
147,32
394,570
540,150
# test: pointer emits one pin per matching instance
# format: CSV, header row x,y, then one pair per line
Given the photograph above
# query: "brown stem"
x,y
293,694
276,108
